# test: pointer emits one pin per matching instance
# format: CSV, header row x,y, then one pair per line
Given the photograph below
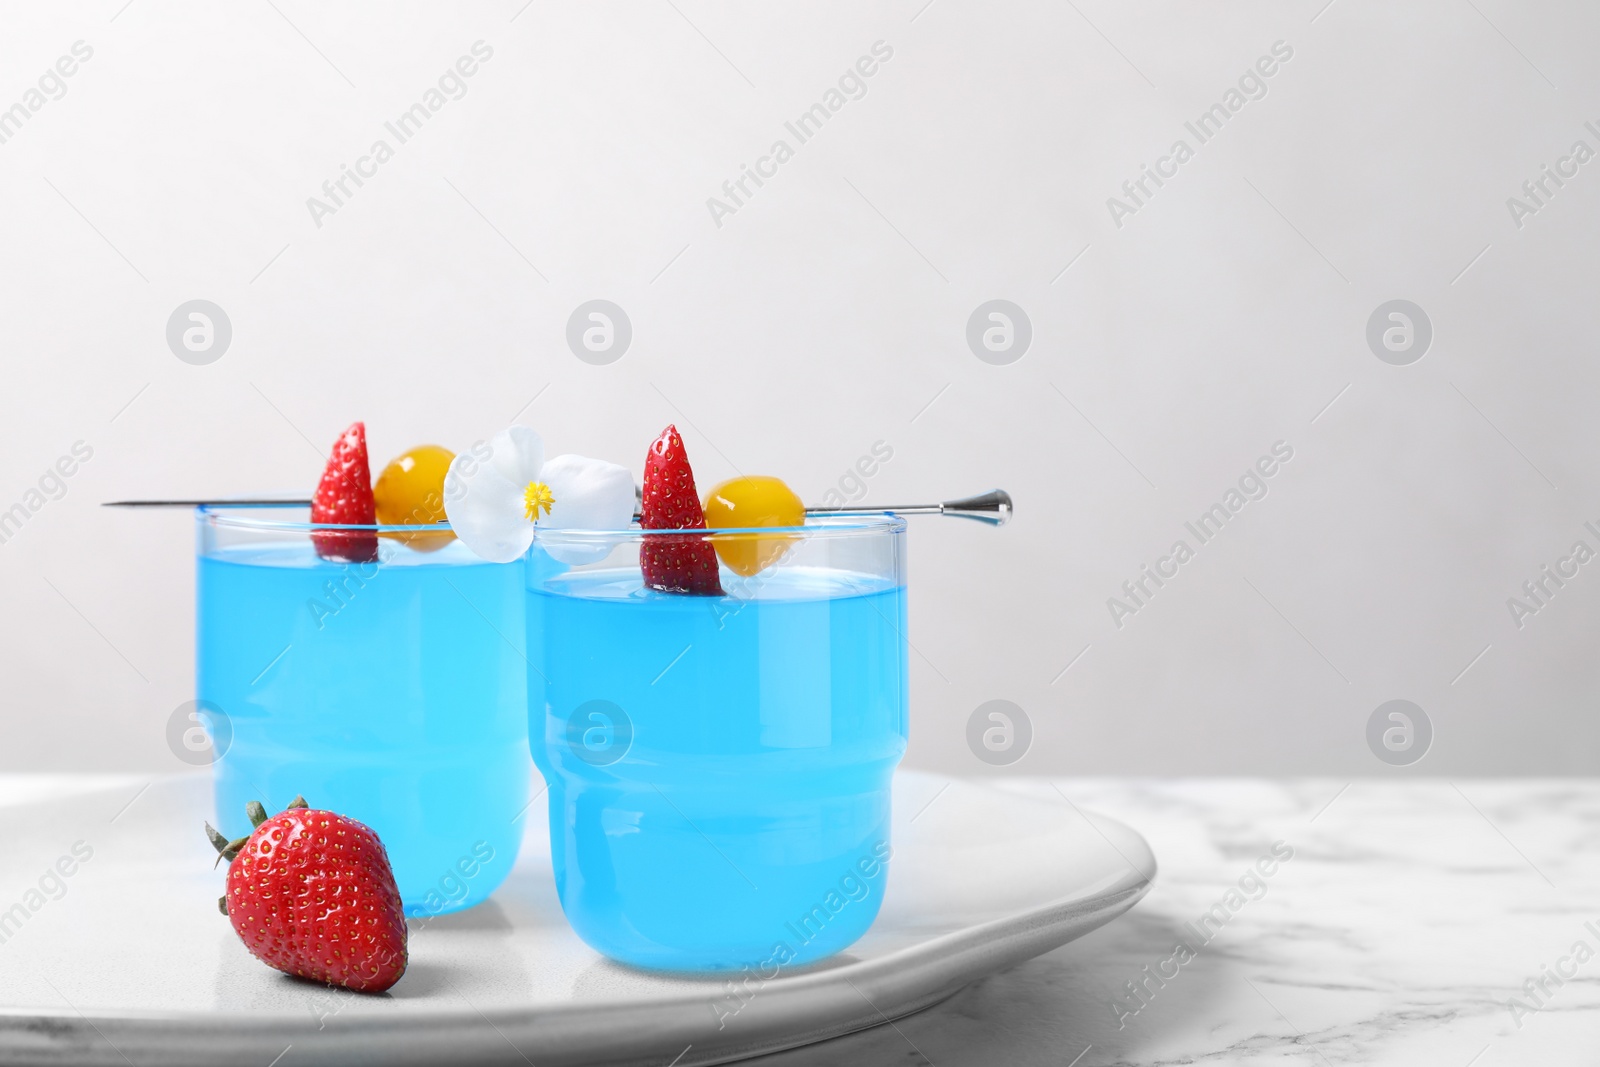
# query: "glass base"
x,y
725,878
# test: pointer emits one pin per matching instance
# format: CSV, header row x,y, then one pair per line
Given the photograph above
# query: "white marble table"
x,y
1412,911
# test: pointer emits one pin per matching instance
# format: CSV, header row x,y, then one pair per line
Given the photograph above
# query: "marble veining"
x,y
1412,913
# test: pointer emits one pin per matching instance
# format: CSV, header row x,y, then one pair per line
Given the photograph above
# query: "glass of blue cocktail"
x,y
392,690
719,766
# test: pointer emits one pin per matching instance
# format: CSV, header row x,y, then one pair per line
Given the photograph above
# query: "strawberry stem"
x,y
218,842
297,802
256,811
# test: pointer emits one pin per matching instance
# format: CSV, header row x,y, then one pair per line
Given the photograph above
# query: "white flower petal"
x,y
518,454
486,509
590,494
484,493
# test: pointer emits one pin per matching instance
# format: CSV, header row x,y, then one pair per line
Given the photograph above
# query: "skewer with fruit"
x,y
496,495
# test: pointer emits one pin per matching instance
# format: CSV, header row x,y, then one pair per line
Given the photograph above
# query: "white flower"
x,y
494,495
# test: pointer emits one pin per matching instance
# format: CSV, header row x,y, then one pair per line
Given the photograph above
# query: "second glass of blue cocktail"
x,y
719,766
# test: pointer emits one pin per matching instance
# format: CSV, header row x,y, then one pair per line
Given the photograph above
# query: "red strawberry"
x,y
311,893
686,564
344,496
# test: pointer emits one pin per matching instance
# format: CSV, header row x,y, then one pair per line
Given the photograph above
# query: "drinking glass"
x,y
719,766
392,691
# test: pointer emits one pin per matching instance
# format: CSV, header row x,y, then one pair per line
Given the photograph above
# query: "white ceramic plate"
x,y
132,964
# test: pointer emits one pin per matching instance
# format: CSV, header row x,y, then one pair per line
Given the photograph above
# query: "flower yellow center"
x,y
536,498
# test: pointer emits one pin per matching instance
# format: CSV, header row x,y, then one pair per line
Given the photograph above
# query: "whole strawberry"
x,y
312,894
344,496
686,564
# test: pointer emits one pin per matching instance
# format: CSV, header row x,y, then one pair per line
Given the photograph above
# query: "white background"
x,y
830,313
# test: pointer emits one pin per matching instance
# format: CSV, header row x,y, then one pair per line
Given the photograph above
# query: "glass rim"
x,y
835,523
216,515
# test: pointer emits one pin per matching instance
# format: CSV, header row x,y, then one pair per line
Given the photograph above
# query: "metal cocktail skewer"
x,y
216,502
993,507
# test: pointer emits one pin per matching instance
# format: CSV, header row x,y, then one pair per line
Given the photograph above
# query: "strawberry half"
x,y
311,893
344,497
686,564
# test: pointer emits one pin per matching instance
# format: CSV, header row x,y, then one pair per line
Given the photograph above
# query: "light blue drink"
x,y
393,692
719,768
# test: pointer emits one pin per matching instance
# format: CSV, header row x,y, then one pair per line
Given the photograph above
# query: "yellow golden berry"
x,y
410,492
748,503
